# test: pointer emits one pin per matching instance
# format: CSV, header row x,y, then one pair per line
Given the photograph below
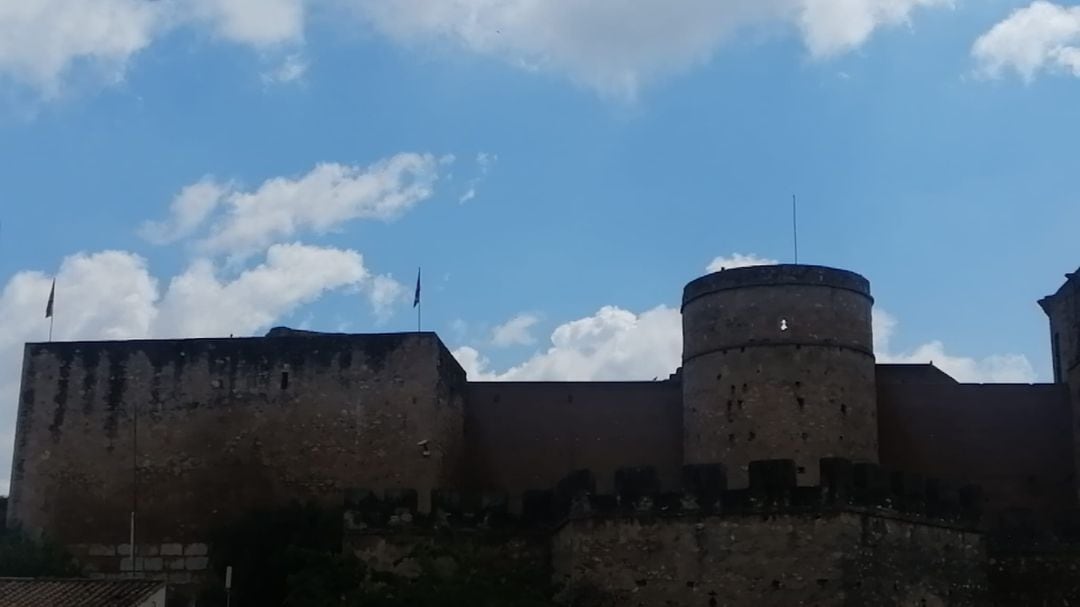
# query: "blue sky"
x,y
613,151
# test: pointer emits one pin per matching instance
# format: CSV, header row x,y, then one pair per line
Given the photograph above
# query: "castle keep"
x,y
779,465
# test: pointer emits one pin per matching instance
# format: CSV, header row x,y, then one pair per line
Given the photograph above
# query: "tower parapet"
x,y
778,362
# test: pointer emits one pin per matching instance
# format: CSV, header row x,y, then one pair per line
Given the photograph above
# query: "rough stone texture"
x,y
838,559
402,554
1047,576
778,363
293,418
172,549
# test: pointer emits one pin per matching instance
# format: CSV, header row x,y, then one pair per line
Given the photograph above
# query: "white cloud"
x,y
320,201
199,302
41,40
258,23
738,260
1042,36
290,70
484,163
834,26
1003,368
613,46
616,344
612,344
515,332
385,294
617,47
188,210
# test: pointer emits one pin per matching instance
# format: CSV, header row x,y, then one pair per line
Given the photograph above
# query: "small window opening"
x,y
805,436
802,402
843,409
801,469
752,436
744,387
284,380
731,438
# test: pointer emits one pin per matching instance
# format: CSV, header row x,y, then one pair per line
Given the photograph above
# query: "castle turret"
x,y
778,363
1063,310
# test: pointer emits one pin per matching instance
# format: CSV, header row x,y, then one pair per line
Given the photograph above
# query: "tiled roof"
x,y
54,592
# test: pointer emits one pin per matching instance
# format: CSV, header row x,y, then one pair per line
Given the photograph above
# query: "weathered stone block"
x,y
149,550
196,563
152,564
196,550
172,550
176,564
123,549
101,550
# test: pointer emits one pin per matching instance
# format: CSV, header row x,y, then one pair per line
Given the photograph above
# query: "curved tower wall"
x,y
778,363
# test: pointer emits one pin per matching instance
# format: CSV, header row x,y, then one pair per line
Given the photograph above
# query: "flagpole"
x,y
50,328
795,226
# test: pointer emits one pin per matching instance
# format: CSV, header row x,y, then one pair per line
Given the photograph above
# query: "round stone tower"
x,y
778,363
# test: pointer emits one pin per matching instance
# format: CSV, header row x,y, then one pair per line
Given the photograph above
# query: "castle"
x,y
779,465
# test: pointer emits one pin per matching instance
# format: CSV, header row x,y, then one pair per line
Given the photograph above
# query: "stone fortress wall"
x,y
778,375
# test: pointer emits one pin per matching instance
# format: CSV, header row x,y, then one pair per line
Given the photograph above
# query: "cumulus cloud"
x,y
241,222
1002,368
41,40
617,47
612,344
258,23
1042,36
613,46
187,212
515,332
617,344
738,260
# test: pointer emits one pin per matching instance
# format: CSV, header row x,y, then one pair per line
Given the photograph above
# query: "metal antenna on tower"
x,y
795,226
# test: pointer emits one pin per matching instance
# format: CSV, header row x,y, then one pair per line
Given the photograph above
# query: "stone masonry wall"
x,y
224,425
782,560
778,363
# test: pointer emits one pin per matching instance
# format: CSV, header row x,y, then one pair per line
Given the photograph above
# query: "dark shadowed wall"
x,y
522,436
1013,440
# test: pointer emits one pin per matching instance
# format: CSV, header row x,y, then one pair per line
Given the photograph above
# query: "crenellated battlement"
x,y
773,490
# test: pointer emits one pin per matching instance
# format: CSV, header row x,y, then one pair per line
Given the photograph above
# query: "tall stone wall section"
x,y
192,433
778,363
1063,310
781,560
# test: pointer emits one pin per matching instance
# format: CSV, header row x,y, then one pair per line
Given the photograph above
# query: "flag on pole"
x,y
416,297
52,297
